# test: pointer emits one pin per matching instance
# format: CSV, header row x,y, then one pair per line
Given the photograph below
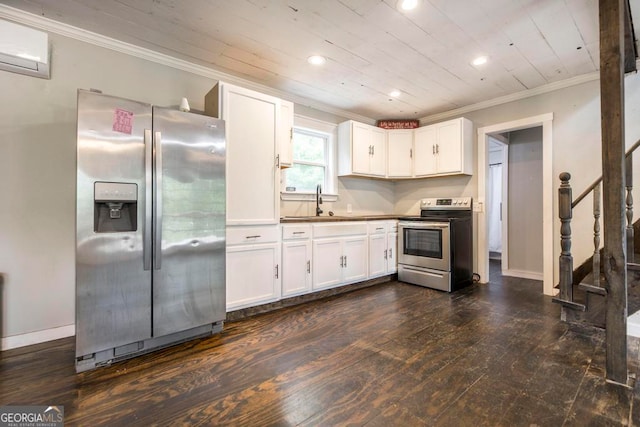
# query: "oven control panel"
x,y
451,203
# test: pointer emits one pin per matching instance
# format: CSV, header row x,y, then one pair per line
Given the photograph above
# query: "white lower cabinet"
x,y
383,243
339,254
296,260
253,266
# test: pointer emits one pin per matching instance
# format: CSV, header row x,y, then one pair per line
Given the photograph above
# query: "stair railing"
x,y
565,212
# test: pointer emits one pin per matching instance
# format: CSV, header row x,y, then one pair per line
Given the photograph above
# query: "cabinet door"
x,y
251,122
378,159
327,263
286,134
377,255
296,267
424,162
355,254
399,153
449,148
361,147
392,253
253,275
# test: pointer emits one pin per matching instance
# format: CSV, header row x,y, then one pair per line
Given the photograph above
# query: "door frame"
x,y
546,121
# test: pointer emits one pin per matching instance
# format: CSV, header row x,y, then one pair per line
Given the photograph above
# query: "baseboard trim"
x,y
37,337
523,274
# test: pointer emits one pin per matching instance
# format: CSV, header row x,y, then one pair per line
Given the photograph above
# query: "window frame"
x,y
329,131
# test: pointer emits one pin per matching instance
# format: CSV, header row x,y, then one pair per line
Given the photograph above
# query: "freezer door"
x,y
113,292
189,221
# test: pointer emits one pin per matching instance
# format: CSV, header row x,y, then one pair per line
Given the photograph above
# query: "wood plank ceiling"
x,y
370,45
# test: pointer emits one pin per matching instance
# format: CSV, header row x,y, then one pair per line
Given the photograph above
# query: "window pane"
x,y
305,178
308,147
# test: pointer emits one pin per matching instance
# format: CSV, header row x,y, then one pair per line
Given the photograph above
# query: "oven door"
x,y
424,244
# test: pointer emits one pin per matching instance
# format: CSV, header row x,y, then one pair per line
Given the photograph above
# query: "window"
x,y
311,153
313,163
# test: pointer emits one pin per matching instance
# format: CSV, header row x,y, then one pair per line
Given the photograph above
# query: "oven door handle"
x,y
422,271
422,225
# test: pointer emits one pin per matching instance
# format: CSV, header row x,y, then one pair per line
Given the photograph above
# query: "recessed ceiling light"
x,y
480,60
407,4
394,93
316,60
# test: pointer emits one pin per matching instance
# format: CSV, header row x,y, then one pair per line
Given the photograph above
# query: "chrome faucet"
x,y
318,199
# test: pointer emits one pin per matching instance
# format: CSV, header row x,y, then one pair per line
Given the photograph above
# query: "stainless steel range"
x,y
436,248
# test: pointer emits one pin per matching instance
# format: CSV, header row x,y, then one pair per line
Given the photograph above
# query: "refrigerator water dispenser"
x,y
115,207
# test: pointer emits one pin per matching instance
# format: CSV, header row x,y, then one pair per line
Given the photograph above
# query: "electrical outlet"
x,y
478,207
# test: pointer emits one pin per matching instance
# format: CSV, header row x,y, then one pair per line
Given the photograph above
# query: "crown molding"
x,y
550,87
47,24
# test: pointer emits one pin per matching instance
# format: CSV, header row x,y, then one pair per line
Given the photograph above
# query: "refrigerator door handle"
x,y
148,182
157,201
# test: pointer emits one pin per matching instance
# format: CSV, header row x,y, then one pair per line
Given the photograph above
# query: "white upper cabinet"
x,y
362,150
444,148
286,134
400,153
252,123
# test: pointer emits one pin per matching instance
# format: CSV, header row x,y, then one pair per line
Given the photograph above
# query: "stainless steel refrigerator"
x,y
150,228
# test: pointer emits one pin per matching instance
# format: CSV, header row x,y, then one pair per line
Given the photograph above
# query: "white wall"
x,y
525,201
38,171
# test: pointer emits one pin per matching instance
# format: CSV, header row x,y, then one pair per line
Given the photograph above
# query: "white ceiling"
x,y
371,47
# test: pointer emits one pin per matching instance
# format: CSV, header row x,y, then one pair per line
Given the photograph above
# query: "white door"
x,y
296,267
361,147
392,253
449,149
424,162
253,275
327,263
378,159
399,153
251,123
356,258
377,254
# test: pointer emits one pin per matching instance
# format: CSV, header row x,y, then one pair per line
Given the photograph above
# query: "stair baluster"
x,y
596,235
629,207
566,259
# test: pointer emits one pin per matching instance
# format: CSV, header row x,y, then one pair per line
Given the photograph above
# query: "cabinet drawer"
x,y
377,227
296,232
339,229
251,235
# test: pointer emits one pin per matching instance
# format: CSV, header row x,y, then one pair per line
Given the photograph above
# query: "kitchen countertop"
x,y
327,218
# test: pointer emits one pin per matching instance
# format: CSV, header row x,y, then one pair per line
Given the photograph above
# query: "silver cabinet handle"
x,y
278,161
253,237
148,210
437,148
373,150
379,228
411,153
277,271
341,261
433,148
385,254
157,200
345,261
299,232
308,266
390,253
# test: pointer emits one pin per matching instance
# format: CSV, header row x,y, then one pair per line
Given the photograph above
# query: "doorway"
x,y
548,268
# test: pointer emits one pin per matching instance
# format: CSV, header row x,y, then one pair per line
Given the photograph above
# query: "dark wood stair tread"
x,y
587,287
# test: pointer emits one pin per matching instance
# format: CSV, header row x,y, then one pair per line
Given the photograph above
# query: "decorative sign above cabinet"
x,y
398,124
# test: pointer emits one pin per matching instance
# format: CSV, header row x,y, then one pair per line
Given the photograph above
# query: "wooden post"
x,y
596,235
566,260
628,170
612,122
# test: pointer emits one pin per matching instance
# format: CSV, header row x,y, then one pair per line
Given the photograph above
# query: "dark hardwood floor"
x,y
388,355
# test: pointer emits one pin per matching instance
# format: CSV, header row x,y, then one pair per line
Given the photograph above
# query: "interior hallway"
x,y
390,354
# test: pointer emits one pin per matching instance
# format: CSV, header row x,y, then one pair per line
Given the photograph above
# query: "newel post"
x,y
566,260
